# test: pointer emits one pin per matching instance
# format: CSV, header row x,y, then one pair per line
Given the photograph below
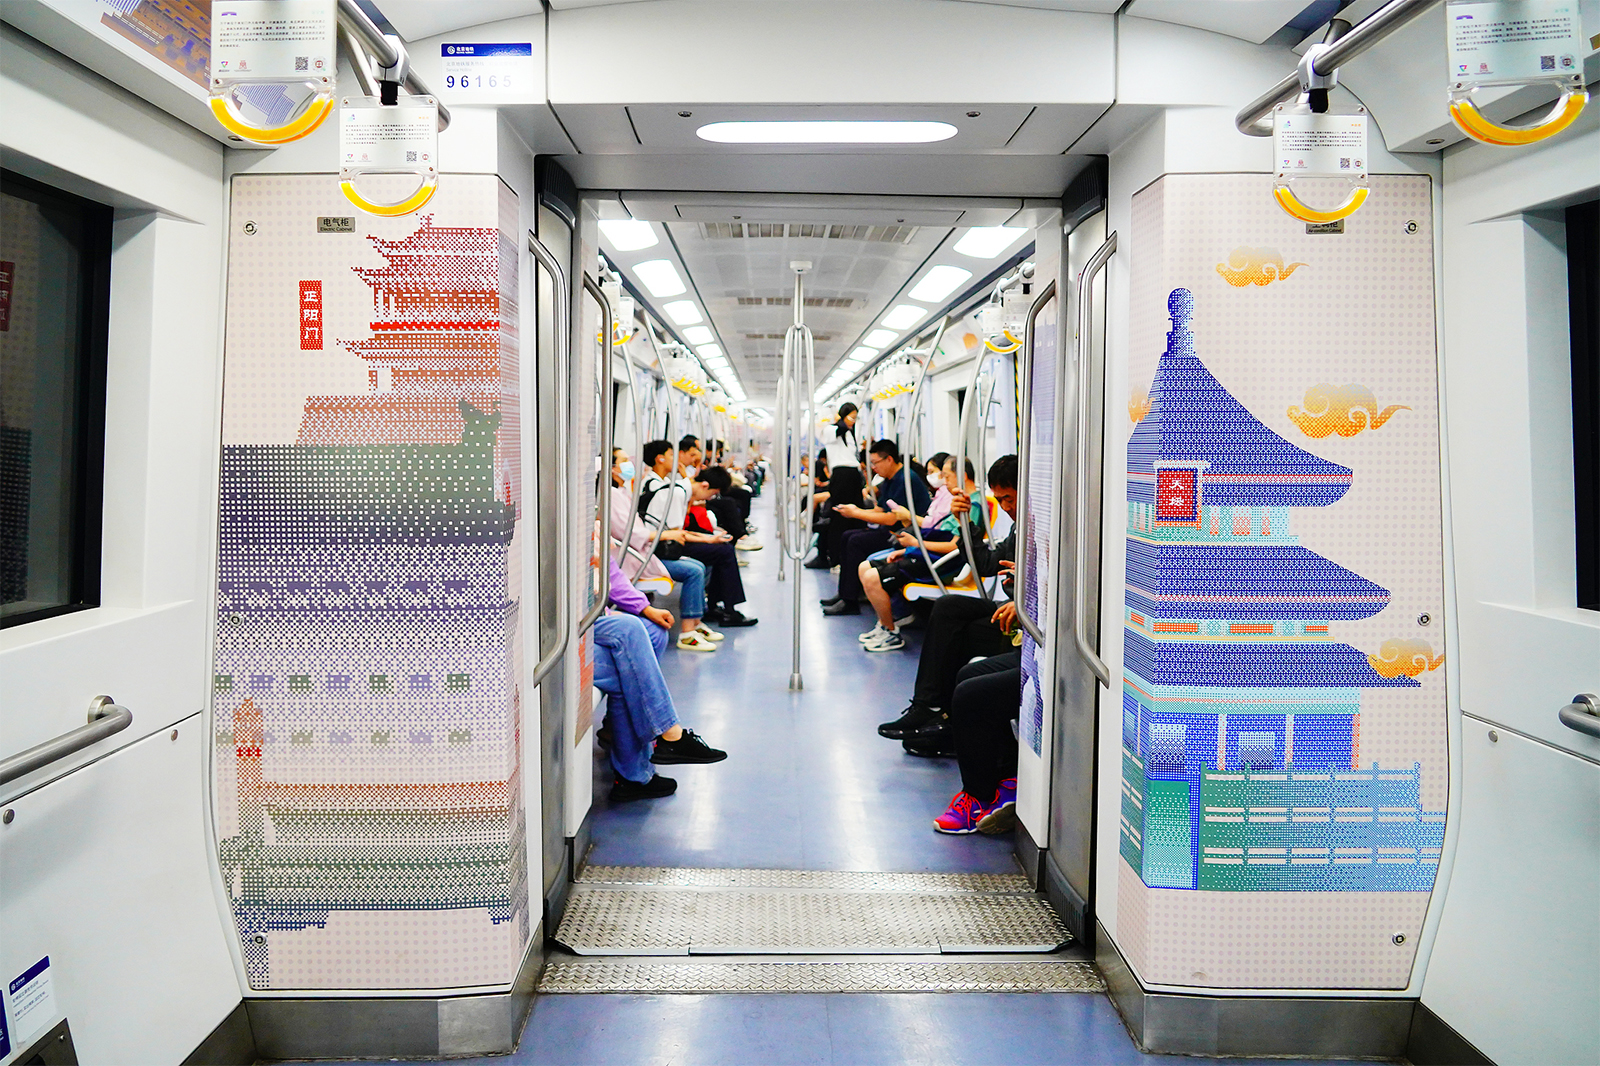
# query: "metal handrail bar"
x,y
911,408
1091,269
796,402
638,472
563,340
967,408
1343,43
1024,454
387,51
105,718
602,504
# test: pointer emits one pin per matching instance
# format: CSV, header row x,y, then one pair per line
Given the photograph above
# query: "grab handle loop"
x,y
423,194
401,139
1306,213
314,114
1472,122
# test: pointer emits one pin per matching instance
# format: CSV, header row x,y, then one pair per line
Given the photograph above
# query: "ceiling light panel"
x,y
904,316
987,242
628,235
662,279
683,312
710,351
699,335
863,352
939,283
826,132
880,338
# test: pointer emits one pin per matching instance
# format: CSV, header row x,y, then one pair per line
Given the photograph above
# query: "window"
x,y
1583,301
55,266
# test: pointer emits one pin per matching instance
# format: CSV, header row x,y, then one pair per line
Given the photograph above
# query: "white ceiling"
x,y
1248,20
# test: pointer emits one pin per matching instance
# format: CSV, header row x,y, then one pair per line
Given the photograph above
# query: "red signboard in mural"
x,y
311,316
8,271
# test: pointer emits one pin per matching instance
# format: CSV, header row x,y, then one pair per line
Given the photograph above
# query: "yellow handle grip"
x,y
1474,125
1291,203
1015,344
312,117
403,207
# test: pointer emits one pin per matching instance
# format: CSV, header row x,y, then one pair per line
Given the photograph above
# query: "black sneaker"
x,y
687,748
602,737
935,745
732,619
622,789
831,600
911,719
842,607
936,723
819,564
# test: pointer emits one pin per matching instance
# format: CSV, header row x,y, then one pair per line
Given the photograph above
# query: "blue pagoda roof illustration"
x,y
1253,665
1245,581
1192,418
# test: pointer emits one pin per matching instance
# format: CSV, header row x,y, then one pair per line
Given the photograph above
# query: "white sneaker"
x,y
693,641
907,620
872,634
743,561
705,632
748,543
889,641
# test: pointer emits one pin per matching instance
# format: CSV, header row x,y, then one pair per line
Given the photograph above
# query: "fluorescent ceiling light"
x,y
881,338
699,334
661,278
863,353
987,242
904,316
710,351
629,235
826,132
937,283
683,312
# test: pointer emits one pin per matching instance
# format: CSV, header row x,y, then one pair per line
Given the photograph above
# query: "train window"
x,y
55,266
1583,296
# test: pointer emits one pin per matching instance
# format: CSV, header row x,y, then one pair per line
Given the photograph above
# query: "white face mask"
x,y
690,471
936,479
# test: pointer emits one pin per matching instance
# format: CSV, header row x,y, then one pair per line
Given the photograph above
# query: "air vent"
x,y
723,231
837,302
780,336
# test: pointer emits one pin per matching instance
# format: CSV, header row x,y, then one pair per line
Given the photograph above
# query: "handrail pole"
x,y
1024,455
602,504
563,340
105,719
967,408
916,526
363,30
1344,43
638,474
1080,597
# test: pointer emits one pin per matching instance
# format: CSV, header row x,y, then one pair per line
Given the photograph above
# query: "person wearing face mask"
x,y
936,464
729,515
690,574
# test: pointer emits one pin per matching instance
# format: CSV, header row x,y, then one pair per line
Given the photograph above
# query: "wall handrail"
x,y
1080,636
1343,43
602,504
105,719
1024,455
563,339
973,401
911,411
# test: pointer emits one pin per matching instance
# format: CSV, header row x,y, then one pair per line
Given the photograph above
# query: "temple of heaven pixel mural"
x,y
367,703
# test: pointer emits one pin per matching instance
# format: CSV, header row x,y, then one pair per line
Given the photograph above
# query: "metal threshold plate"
x,y
669,977
812,880
604,920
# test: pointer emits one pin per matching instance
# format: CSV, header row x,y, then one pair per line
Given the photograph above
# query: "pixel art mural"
x,y
1280,780
368,702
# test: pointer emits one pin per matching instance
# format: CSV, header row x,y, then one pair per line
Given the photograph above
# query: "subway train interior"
x,y
799,531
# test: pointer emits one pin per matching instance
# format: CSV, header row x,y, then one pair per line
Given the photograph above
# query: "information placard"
x,y
1306,144
402,139
1512,42
487,71
272,40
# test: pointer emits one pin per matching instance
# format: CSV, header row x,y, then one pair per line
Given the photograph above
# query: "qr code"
x,y
411,157
302,62
1547,62
1344,162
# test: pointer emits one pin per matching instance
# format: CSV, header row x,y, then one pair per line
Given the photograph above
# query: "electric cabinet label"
x,y
1312,145
1514,41
483,71
272,39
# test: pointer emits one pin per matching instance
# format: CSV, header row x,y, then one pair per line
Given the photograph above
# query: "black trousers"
x,y
958,630
854,547
987,697
723,583
844,486
729,516
740,497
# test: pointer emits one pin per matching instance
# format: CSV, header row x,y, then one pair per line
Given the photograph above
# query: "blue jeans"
x,y
691,574
627,650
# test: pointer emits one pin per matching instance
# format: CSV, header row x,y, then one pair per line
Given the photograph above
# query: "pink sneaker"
x,y
963,816
1001,815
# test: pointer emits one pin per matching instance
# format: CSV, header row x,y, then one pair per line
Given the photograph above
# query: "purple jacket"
x,y
623,594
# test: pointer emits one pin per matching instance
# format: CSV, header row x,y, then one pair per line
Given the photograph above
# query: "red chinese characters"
x,y
311,316
1177,495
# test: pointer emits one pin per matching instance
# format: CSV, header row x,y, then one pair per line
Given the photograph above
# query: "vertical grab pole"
x,y
602,506
796,400
1024,457
916,526
1080,632
563,344
972,403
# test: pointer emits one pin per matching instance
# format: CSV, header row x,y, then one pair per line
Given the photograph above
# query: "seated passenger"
x,y
708,542
882,578
643,722
855,545
666,507
637,560
986,700
960,628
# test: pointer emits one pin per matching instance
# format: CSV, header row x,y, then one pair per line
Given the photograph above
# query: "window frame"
x,y
87,493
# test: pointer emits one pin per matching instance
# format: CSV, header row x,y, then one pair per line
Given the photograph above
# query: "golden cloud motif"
x,y
969,341
1406,657
1138,405
1343,409
1255,266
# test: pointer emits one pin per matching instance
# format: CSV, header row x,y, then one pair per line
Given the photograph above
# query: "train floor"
x,y
808,786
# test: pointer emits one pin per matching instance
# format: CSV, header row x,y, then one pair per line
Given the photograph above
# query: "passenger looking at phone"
x,y
899,484
689,574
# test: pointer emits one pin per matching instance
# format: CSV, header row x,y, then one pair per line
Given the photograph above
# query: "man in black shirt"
x,y
900,485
